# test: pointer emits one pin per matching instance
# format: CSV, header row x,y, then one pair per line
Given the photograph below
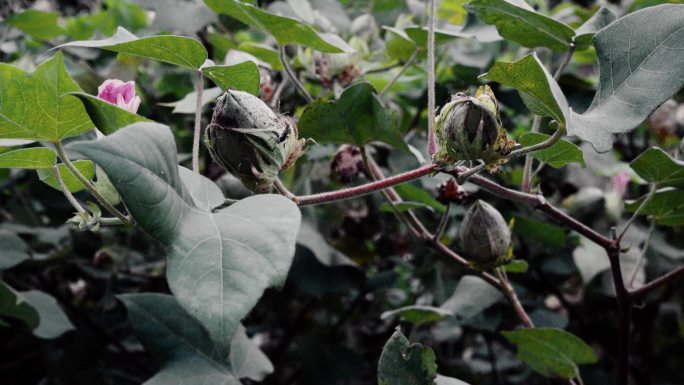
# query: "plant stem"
x,y
420,231
462,178
109,221
291,74
383,69
66,192
442,223
642,254
537,202
447,252
403,69
624,313
658,282
283,190
89,185
527,168
566,61
368,188
432,144
279,90
510,295
375,174
414,224
198,120
537,170
651,192
540,146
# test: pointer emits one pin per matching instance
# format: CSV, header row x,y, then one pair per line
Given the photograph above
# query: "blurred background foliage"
x,y
355,263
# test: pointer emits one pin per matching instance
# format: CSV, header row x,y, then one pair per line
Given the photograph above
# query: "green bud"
x,y
484,236
469,128
250,141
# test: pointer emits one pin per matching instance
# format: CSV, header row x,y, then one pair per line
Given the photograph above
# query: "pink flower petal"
x,y
119,93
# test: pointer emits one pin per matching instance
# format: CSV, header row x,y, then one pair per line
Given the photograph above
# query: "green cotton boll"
x,y
469,128
485,238
249,140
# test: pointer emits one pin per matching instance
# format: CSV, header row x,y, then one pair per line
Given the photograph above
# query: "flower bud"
x,y
122,94
250,141
485,237
469,128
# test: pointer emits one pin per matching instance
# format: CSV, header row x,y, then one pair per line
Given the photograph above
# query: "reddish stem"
x,y
538,202
512,297
446,251
367,188
656,283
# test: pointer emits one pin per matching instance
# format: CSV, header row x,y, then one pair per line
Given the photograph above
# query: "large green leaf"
x,y
219,263
36,309
403,363
242,76
106,116
179,50
177,340
521,24
284,29
556,156
539,91
30,158
656,166
33,106
357,117
551,352
640,57
666,206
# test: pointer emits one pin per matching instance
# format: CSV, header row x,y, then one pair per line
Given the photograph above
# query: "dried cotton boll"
x,y
485,238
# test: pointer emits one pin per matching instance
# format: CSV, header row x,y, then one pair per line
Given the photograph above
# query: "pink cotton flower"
x,y
122,94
